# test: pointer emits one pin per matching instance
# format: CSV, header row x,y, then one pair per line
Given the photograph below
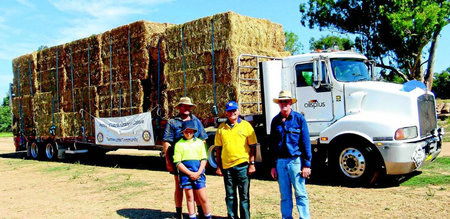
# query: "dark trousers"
x,y
236,180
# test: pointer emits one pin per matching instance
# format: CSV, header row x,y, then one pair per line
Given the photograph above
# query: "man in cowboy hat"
x,y
172,134
291,148
235,142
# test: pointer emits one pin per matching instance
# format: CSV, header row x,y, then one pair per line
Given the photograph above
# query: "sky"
x,y
25,25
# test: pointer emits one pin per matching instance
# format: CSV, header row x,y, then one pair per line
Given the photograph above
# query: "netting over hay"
x,y
98,68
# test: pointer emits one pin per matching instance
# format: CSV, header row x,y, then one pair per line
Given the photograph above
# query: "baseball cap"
x,y
231,105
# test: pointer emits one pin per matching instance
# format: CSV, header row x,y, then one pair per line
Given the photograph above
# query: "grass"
x,y
443,100
6,134
436,173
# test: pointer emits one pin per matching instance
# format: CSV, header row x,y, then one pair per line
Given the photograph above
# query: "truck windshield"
x,y
350,70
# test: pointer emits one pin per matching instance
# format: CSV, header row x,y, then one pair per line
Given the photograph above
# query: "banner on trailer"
x,y
122,131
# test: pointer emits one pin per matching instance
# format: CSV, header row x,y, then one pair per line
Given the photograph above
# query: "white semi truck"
x,y
360,127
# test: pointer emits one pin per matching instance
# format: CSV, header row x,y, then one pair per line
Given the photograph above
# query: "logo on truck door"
x,y
314,104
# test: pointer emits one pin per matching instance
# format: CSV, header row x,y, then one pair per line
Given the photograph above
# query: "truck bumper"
x,y
405,157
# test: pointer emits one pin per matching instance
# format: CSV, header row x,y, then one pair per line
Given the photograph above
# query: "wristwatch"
x,y
252,162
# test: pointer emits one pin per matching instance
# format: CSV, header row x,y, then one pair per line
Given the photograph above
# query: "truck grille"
x,y
427,114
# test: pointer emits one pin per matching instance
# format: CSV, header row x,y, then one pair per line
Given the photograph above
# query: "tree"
x,y
5,116
395,30
441,85
330,42
291,43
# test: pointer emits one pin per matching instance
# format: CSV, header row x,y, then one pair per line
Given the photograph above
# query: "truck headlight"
x,y
406,133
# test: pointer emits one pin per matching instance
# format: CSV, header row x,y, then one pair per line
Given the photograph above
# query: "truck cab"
x,y
360,127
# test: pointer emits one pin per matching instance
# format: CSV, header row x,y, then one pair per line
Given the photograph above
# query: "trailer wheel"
x,y
35,151
51,152
355,164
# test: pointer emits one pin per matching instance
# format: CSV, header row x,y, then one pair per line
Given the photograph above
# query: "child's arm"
x,y
202,167
184,169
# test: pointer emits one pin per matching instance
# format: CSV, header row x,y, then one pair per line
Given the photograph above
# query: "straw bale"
x,y
124,112
141,33
43,112
26,102
46,69
120,95
70,124
233,35
84,64
25,65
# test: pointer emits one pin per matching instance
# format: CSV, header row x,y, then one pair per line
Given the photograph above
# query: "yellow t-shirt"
x,y
235,142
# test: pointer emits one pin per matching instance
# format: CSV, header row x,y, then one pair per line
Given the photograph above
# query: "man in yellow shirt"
x,y
235,142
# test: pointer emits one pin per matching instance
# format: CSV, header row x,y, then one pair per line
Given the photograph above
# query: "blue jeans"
x,y
289,175
236,178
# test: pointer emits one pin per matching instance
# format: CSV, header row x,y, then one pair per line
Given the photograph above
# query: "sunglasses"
x,y
284,101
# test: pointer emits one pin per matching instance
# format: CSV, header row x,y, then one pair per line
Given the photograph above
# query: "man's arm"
x,y
272,150
219,160
166,146
306,152
251,166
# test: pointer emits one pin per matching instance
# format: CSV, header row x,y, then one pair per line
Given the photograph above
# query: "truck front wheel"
x,y
355,164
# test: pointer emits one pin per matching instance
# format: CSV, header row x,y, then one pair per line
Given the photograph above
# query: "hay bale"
x,y
123,112
141,34
44,115
26,103
233,35
26,66
46,69
82,63
70,124
121,94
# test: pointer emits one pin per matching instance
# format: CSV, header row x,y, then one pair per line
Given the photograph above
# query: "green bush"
x,y
5,116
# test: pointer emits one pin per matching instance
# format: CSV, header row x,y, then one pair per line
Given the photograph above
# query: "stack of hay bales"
x,y
116,67
24,67
61,74
233,35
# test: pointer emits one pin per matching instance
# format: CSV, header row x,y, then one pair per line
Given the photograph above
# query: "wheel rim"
x,y
34,149
49,151
352,162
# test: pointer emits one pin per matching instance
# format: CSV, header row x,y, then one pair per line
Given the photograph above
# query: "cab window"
x,y
304,74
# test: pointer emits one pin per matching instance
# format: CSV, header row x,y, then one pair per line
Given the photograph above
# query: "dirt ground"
x,y
135,185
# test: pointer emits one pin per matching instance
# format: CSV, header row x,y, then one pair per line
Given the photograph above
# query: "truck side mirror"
x,y
317,73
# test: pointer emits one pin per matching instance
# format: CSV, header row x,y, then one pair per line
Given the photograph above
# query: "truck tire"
x,y
212,157
35,150
28,147
51,151
355,164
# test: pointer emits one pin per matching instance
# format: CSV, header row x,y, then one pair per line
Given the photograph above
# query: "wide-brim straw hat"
x,y
185,101
285,95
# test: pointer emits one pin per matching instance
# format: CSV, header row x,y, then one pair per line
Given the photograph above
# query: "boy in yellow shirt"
x,y
190,159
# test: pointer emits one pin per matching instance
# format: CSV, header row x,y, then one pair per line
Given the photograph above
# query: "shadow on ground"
x,y
135,213
156,163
